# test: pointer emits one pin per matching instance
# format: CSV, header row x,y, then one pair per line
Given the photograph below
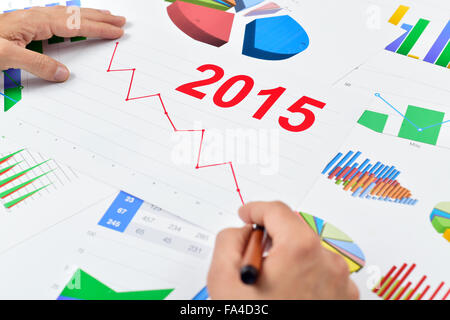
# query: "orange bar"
x,y
369,182
394,191
401,194
361,182
351,183
382,190
388,189
379,185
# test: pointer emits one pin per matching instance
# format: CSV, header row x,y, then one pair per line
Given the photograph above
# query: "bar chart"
x,y
438,54
13,87
440,219
418,123
366,180
395,285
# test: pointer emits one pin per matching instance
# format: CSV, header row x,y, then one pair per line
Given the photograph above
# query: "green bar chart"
x,y
413,37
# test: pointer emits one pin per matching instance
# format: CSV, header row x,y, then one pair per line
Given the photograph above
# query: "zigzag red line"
x,y
175,129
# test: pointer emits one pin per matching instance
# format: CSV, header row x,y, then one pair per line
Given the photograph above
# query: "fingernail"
x,y
61,74
106,11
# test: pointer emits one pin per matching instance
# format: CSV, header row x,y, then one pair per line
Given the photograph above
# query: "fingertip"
x,y
62,74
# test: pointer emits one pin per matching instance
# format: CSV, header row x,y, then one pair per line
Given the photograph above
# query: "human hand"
x,y
19,28
297,266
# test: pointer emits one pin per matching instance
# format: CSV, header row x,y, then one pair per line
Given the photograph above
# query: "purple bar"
x,y
10,75
439,45
396,44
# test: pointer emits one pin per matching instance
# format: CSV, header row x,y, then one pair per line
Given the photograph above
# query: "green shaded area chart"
x,y
83,286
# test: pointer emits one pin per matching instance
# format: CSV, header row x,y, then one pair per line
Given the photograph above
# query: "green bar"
x,y
15,202
9,192
390,289
444,58
14,94
373,120
76,39
408,293
413,36
18,175
206,3
36,46
9,156
3,171
422,118
55,39
82,286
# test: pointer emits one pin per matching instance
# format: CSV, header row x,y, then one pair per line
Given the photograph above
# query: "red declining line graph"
x,y
201,131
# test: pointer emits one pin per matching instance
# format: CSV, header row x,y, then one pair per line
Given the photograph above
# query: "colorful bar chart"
x,y
372,181
83,286
440,219
337,241
395,285
439,53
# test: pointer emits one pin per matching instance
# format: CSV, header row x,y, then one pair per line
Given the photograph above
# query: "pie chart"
x,y
440,219
267,38
337,241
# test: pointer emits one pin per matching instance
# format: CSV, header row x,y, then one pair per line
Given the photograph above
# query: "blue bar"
x,y
348,155
353,167
350,162
12,78
76,3
202,295
387,173
396,44
332,162
383,170
52,4
121,212
375,167
395,175
366,169
439,45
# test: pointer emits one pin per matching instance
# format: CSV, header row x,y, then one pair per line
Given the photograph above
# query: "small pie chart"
x,y
440,219
337,241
